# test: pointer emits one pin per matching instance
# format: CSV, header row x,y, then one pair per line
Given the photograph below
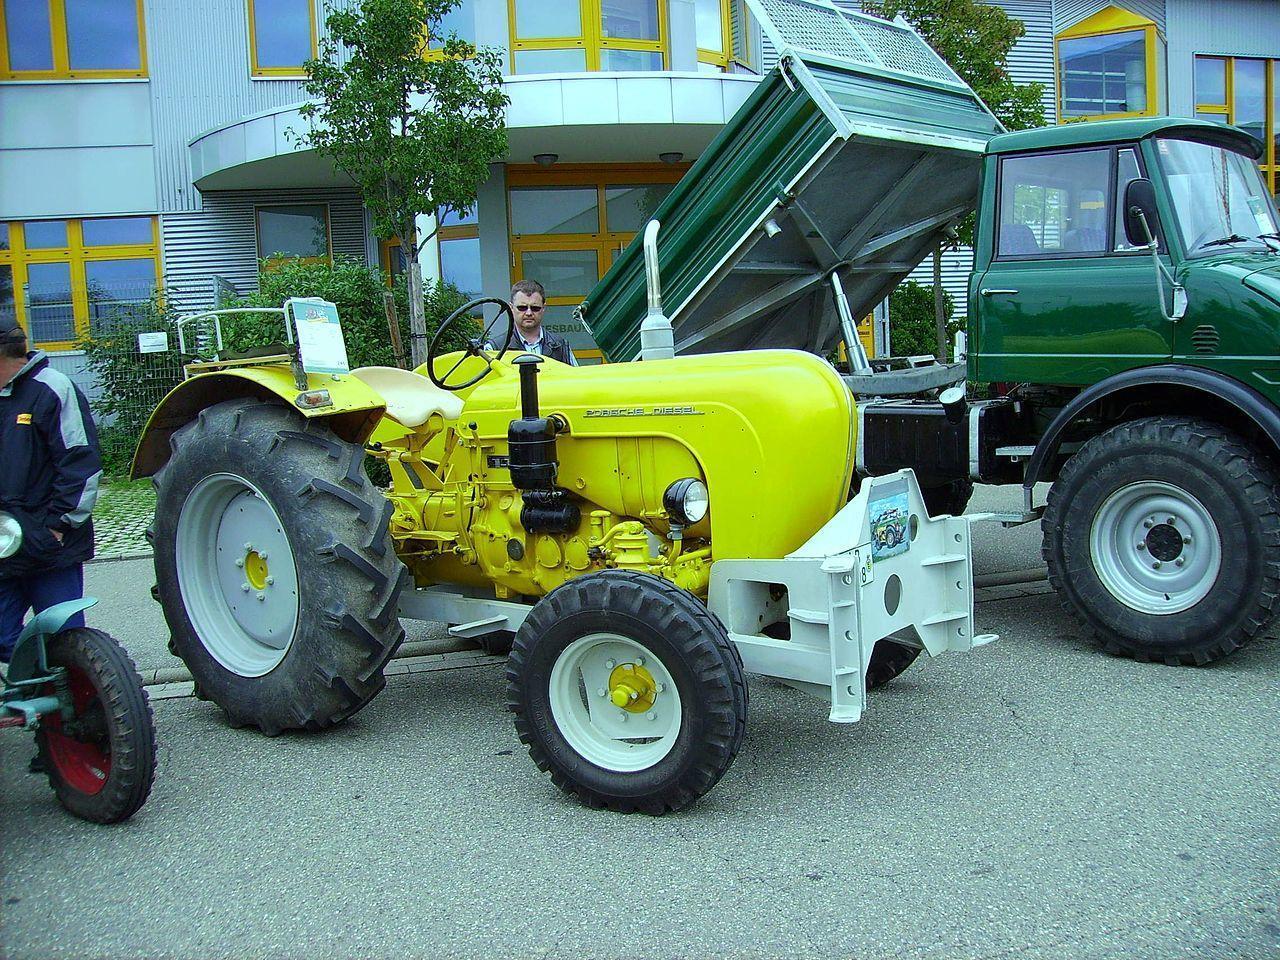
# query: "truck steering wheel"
x,y
476,346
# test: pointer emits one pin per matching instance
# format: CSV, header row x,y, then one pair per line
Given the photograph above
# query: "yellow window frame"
x,y
279,73
1107,22
75,253
592,41
1269,162
62,52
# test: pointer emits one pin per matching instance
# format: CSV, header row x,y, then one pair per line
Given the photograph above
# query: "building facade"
x,y
147,142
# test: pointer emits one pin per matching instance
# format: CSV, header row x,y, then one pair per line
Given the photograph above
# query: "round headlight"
x,y
687,501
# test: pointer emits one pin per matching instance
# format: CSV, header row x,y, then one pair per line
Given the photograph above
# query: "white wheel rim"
x,y
237,575
1155,547
617,739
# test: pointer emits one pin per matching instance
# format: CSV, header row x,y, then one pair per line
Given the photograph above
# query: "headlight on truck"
x,y
687,501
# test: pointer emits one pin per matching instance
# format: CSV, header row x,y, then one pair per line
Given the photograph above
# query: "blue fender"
x,y
28,660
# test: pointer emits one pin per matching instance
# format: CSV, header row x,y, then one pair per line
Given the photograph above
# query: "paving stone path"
x,y
121,517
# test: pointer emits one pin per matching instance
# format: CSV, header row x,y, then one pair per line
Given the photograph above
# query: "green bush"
x,y
912,324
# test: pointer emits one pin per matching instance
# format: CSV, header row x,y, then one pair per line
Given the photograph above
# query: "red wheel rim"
x,y
84,765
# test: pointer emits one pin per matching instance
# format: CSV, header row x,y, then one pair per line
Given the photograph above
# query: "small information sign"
x,y
319,334
153,342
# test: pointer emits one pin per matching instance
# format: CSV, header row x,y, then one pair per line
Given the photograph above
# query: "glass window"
x,y
113,283
1250,89
1104,74
709,25
1216,195
539,210
50,314
558,318
282,34
8,310
1126,172
548,19
629,19
564,273
466,218
624,60
103,34
1213,117
45,234
550,61
628,208
461,20
1054,204
114,231
1211,81
460,264
30,41
293,230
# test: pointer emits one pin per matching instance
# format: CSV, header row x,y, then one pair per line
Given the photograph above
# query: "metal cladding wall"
x,y
1068,13
1242,28
221,240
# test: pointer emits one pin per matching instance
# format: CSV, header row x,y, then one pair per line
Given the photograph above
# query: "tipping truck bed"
x,y
852,157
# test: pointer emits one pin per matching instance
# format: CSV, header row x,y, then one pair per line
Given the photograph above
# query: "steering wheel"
x,y
476,346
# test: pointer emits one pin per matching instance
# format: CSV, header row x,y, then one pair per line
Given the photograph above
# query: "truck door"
x,y
1065,299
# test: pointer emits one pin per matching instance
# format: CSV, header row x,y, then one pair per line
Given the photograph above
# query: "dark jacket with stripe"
x,y
50,467
554,347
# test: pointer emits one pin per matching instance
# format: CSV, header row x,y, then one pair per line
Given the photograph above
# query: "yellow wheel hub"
x,y
255,569
632,687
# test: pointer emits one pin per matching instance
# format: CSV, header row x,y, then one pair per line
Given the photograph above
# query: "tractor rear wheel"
x,y
101,762
628,691
277,576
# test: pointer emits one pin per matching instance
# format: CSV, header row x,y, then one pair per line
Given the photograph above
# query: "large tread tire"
x,y
113,728
692,645
888,660
349,578
948,499
1220,470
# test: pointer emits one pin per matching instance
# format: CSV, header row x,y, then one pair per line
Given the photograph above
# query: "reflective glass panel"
x,y
558,318
541,210
548,18
1054,204
1275,108
624,60
8,310
4,235
1216,195
1212,117
1126,172
627,208
1211,81
113,285
26,24
395,260
103,34
460,264
550,61
460,20
282,32
708,26
1250,89
49,310
1106,74
629,19
564,273
295,230
451,219
45,234
116,231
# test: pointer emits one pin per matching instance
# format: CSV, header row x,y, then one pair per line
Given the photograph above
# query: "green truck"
x,y
1123,319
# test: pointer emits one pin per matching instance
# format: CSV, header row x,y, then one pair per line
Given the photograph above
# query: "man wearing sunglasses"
x,y
528,303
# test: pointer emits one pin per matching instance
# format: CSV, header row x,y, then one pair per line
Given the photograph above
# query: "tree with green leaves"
x,y
412,116
975,39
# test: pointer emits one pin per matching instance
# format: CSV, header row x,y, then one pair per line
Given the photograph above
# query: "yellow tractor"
x,y
639,534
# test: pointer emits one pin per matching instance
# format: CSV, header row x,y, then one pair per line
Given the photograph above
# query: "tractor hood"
x,y
853,156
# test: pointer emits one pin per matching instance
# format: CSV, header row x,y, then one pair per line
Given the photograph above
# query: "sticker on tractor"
x,y
890,526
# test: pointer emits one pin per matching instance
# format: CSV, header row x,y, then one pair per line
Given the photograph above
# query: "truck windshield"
x,y
1218,196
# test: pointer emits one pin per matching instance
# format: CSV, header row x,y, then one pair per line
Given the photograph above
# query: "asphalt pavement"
x,y
1032,799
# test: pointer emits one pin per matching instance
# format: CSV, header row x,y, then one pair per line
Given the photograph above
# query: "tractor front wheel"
x,y
628,691
278,579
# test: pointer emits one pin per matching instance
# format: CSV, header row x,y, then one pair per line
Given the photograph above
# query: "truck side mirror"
x,y
1140,217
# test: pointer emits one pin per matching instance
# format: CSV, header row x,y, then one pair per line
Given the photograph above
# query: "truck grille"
x,y
1204,339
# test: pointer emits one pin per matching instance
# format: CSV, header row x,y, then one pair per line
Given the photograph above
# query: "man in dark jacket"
x,y
528,302
50,467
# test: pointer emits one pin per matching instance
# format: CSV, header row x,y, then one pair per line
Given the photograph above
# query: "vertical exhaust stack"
x,y
657,341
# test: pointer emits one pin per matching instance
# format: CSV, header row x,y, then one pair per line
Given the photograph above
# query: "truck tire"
x,y
1163,536
949,498
101,763
888,659
273,564
601,638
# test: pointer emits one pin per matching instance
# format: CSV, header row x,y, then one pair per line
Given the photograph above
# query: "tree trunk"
x,y
939,308
417,309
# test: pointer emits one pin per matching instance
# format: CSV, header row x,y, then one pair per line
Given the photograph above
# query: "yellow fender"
x,y
353,411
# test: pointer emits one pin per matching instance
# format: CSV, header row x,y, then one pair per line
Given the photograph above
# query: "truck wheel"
x,y
627,690
279,582
1163,536
101,762
949,498
888,659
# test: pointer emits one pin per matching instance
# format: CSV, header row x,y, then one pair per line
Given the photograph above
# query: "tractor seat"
x,y
411,398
